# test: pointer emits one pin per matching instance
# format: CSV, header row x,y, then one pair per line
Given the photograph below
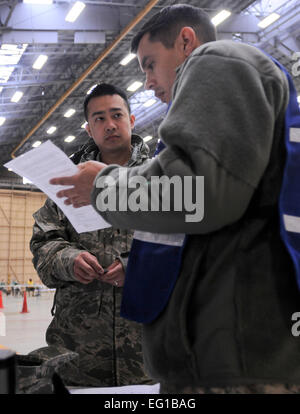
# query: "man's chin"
x,y
165,99
115,147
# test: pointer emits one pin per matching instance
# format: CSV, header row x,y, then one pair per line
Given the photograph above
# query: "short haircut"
x,y
104,89
165,25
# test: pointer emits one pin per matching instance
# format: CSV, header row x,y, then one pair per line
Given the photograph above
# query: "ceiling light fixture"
x,y
267,21
147,138
51,130
2,120
75,12
69,113
9,46
134,86
36,144
38,1
127,59
149,103
40,61
70,138
16,96
10,56
220,17
91,89
8,59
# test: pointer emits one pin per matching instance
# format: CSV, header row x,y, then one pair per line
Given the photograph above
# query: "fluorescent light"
x,y
84,125
26,181
147,138
51,130
40,61
1,89
69,113
38,1
36,144
149,103
8,46
9,57
220,17
91,89
268,20
134,86
127,59
75,12
16,96
70,138
298,99
2,120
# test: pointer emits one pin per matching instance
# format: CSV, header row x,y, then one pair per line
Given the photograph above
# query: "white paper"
x,y
128,389
47,161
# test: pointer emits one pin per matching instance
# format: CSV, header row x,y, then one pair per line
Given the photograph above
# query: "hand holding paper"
x,y
43,163
82,183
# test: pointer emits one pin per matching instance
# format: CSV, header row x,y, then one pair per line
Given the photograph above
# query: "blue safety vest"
x,y
152,270
289,202
155,260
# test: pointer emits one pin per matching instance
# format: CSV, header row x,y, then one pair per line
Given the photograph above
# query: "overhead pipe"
x,y
100,58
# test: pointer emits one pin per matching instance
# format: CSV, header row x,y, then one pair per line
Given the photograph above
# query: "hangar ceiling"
x,y
89,50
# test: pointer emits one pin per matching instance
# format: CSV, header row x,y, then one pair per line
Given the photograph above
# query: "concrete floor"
x,y
24,332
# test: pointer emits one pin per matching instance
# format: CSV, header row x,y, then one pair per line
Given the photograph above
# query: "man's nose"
x,y
110,125
149,83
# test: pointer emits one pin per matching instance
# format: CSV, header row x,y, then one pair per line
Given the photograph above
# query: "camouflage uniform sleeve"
x,y
123,259
53,252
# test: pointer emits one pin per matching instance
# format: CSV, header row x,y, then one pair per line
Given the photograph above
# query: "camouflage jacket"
x,y
86,318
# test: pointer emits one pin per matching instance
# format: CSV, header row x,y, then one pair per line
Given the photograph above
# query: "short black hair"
x,y
103,89
165,25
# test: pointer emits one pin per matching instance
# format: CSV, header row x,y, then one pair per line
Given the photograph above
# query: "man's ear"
x,y
132,121
88,130
188,40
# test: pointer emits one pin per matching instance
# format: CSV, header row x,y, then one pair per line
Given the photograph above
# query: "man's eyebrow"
x,y
98,113
103,112
144,61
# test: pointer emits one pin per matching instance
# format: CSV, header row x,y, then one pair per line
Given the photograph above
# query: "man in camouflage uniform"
x,y
87,301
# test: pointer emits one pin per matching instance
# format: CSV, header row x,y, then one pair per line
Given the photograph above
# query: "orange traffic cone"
x,y
24,309
1,301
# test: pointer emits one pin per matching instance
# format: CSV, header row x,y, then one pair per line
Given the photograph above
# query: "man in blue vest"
x,y
219,318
